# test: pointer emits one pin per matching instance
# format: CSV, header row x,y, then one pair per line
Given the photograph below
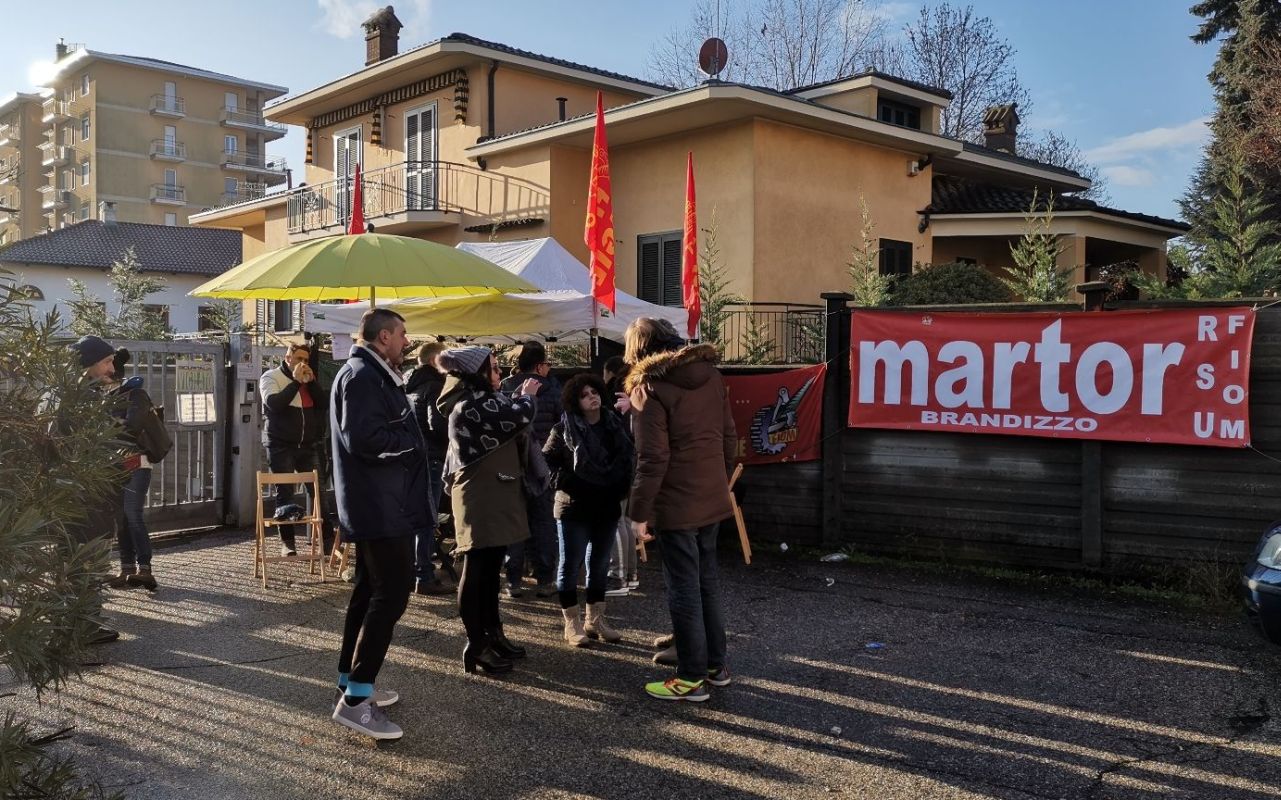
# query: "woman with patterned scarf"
x,y
484,474
592,456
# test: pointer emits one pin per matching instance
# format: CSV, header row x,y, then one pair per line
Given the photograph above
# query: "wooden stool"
x,y
314,522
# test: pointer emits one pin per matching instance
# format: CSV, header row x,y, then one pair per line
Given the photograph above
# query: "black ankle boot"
x,y
480,654
503,646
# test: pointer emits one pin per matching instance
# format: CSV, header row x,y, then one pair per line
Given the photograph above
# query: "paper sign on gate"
x,y
1178,376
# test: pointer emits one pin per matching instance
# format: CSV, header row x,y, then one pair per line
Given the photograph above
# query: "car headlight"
x,y
1270,553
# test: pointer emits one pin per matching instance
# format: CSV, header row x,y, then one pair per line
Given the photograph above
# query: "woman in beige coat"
x,y
484,474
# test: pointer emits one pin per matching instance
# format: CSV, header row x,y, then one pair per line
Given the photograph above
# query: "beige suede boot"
x,y
574,634
597,626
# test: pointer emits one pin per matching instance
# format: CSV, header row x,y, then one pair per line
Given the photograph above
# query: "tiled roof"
x,y
168,66
876,73
958,196
560,62
160,248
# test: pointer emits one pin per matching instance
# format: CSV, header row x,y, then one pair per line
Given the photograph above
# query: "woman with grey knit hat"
x,y
484,474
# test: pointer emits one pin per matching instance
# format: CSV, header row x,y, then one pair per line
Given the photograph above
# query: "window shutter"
x,y
648,282
672,294
413,155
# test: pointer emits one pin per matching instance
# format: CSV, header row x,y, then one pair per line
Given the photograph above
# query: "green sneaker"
x,y
678,689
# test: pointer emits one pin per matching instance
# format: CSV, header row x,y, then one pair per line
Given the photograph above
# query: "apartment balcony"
x,y
164,194
166,150
251,121
245,193
415,196
10,135
54,199
57,155
9,217
171,107
55,111
9,169
270,170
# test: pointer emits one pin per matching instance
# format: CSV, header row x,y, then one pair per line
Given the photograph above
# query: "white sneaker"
x,y
368,719
381,697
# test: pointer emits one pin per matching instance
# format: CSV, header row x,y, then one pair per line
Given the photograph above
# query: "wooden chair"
x,y
314,523
738,521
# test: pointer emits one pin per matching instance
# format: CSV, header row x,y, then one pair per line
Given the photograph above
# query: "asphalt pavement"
x,y
857,681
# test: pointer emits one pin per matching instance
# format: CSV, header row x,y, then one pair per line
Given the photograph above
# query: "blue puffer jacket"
x,y
380,457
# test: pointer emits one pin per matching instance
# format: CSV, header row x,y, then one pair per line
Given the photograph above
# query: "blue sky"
x,y
1119,76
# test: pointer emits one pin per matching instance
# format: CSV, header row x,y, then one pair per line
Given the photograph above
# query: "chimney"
x,y
560,104
107,212
60,50
382,36
1001,128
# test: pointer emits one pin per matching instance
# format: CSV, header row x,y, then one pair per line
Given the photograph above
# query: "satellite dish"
x,y
712,57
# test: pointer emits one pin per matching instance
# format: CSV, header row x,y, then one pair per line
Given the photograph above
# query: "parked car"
x,y
1261,583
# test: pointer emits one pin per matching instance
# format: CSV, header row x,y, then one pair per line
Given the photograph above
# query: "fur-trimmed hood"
x,y
689,368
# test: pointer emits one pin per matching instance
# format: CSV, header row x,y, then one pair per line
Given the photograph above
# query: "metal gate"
x,y
189,380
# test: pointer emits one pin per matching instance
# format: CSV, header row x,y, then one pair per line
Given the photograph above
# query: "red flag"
x,y
357,205
689,257
599,230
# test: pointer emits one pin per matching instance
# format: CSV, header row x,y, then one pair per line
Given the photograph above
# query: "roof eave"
x,y
75,59
1049,177
1174,229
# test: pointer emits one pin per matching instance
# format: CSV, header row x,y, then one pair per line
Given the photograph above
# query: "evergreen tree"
x,y
1036,276
867,285
130,288
714,293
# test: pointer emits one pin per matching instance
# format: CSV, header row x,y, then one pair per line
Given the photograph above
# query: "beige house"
x,y
463,139
158,140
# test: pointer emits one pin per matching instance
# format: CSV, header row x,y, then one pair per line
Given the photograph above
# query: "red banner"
x,y
689,255
1178,376
778,417
598,233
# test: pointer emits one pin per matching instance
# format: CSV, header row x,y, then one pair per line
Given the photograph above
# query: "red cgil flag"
x,y
599,230
689,255
357,205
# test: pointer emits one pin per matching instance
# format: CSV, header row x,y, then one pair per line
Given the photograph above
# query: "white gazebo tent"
x,y
562,312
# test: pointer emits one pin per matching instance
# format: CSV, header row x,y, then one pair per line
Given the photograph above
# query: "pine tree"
x,y
1037,276
867,285
130,288
757,345
57,445
715,295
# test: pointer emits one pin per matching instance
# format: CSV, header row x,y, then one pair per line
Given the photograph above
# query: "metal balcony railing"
x,y
56,109
164,104
238,158
9,133
250,119
165,192
767,333
418,186
165,148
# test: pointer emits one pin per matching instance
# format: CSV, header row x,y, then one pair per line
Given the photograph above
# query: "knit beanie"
x,y
466,360
92,349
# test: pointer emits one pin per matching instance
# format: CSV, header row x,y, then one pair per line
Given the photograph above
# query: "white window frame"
x,y
84,84
425,177
86,127
344,190
230,144
171,184
169,215
84,173
171,136
84,213
231,101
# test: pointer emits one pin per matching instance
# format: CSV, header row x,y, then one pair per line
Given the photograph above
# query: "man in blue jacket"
x,y
380,480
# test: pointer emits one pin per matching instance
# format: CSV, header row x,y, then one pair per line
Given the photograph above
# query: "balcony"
x,y
9,168
166,150
251,121
415,196
245,193
165,194
10,135
271,170
57,155
7,217
55,111
165,106
54,198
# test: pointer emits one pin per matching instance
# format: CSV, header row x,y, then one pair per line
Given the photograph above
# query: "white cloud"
x,y
1121,175
342,18
1151,142
41,72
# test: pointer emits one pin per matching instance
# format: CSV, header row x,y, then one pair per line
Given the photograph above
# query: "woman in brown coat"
x,y
685,445
485,476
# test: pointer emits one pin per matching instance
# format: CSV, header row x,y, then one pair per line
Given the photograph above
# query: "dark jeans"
x,y
693,598
425,546
287,458
578,539
478,592
131,533
540,548
384,578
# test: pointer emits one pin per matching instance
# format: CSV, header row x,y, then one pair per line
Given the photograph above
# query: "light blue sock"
x,y
357,692
342,679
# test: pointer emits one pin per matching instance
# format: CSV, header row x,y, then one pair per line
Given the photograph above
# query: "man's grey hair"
x,y
375,321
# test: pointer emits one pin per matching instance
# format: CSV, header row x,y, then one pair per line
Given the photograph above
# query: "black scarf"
x,y
599,463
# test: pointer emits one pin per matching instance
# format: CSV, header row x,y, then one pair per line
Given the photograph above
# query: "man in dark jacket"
x,y
293,419
541,548
423,386
380,480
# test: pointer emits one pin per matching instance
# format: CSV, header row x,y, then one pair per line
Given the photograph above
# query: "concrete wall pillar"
x,y
1072,254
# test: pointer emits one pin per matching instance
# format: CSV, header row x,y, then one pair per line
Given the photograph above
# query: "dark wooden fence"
x,y
1024,500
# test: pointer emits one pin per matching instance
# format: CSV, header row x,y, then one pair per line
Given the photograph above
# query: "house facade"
x,y
159,140
464,139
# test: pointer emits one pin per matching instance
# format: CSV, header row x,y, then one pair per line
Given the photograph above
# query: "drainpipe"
x,y
493,67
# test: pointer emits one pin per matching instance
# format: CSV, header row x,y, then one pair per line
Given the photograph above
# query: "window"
x,y
229,185
897,113
231,100
282,315
29,291
230,144
206,319
171,218
84,213
896,257
171,178
658,259
158,313
68,180
84,127
84,84
84,174
171,137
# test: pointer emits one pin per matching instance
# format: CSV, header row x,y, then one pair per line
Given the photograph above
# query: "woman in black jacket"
x,y
592,456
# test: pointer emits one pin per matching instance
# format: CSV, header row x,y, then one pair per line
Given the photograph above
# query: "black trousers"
x,y
478,591
384,578
288,458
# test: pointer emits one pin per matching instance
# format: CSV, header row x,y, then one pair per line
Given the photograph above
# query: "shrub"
x,y
949,284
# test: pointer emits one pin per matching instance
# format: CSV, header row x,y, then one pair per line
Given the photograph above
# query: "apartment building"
x,y
158,140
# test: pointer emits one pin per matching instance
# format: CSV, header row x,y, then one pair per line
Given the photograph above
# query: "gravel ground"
x,y
221,689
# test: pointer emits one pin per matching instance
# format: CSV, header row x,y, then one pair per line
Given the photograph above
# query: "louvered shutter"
x,y
413,157
650,270
672,294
